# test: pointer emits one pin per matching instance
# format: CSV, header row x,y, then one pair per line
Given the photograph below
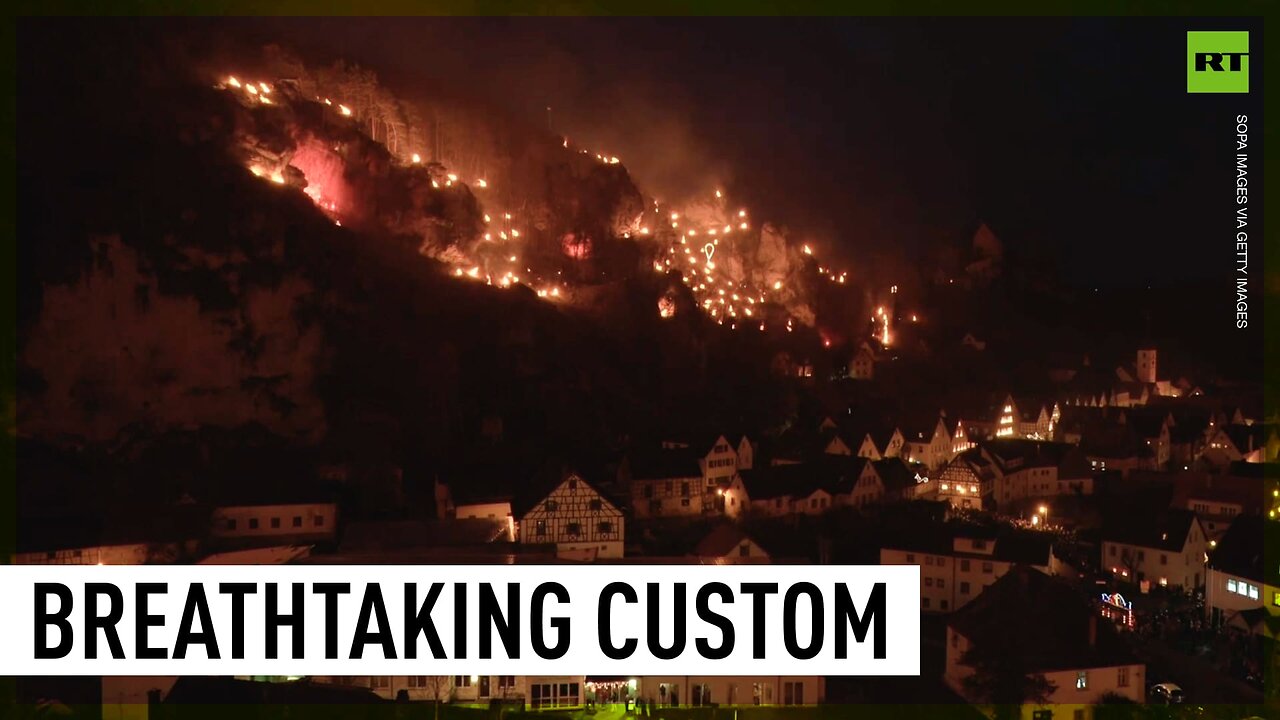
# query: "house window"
x,y
744,550
928,559
928,582
964,566
1122,677
380,681
604,528
417,681
552,505
253,523
596,505
964,588
540,528
231,523
924,603
941,562
275,523
944,602
684,489
319,521
1275,599
574,529
911,558
297,521
506,683
1082,680
986,568
942,583
462,681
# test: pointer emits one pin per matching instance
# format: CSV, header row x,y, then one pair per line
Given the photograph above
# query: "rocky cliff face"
x,y
220,258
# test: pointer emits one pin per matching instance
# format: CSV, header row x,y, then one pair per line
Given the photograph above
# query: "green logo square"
x,y
1217,62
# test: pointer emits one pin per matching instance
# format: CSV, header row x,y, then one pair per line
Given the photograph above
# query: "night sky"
x,y
1074,139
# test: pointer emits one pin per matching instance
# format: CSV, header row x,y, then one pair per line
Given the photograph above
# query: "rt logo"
x,y
1217,62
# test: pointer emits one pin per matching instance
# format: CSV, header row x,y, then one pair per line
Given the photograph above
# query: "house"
x,y
1023,419
275,522
1030,620
897,481
1026,470
863,364
930,445
666,482
961,483
1241,590
1166,549
956,566
535,691
578,520
728,544
814,487
730,690
879,444
1228,443
1217,500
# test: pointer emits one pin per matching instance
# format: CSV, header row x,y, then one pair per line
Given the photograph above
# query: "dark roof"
x,y
1256,471
406,534
1015,453
1025,548
1043,622
832,473
895,474
664,464
721,541
1163,531
1240,550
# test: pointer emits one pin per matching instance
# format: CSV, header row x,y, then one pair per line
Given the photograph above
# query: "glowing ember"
x,y
233,82
344,110
417,158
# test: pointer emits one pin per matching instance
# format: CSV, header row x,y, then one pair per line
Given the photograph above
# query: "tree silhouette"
x,y
1001,675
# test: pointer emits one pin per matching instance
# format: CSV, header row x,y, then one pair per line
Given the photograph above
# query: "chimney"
x,y
1093,630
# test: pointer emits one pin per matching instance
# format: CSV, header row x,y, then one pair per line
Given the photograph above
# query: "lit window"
x,y
1082,680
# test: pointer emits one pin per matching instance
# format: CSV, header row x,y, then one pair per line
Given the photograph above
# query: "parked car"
x,y
1167,694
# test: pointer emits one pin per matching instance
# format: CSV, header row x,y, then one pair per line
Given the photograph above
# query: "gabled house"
x,y
1241,589
1166,549
880,444
1041,625
957,565
960,483
578,520
665,482
728,544
863,364
929,446
1031,469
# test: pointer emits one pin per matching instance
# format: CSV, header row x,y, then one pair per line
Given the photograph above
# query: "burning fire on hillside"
x,y
741,273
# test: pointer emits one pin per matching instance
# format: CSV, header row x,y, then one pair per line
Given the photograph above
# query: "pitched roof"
x,y
1163,531
1240,550
664,464
722,540
832,473
895,474
1011,615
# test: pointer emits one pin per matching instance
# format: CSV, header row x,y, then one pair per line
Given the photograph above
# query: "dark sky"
x,y
1074,139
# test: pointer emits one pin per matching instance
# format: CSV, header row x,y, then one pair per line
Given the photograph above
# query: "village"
x,y
1134,516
